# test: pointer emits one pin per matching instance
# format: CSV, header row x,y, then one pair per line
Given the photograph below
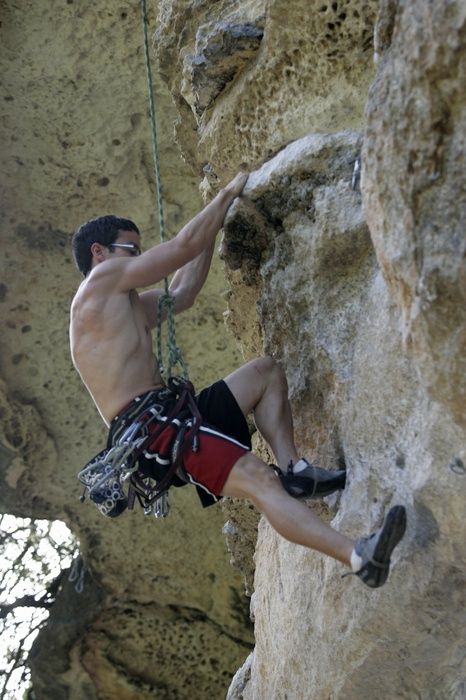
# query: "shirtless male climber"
x,y
111,347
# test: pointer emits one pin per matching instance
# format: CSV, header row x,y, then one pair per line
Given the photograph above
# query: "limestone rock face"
x,y
327,314
413,168
345,261
219,55
356,285
284,52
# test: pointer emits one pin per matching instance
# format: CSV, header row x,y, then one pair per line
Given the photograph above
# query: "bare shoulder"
x,y
99,296
105,275
100,281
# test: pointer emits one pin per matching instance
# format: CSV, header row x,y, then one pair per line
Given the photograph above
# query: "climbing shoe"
x,y
312,482
375,550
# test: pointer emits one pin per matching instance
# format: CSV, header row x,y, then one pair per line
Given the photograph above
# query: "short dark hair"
x,y
104,230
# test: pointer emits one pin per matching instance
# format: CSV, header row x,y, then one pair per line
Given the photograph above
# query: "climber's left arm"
x,y
186,284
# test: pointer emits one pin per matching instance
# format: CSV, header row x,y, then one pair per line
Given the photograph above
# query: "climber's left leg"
x,y
260,386
368,557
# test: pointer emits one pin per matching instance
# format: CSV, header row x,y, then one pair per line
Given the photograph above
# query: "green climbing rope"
x,y
165,300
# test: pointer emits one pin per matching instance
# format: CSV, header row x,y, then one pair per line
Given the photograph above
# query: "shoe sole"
x,y
392,532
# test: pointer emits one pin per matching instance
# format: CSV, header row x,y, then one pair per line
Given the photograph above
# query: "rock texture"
x,y
328,315
317,49
414,188
355,284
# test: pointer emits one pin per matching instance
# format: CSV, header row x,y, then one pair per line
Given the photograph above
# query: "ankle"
x,y
298,466
355,561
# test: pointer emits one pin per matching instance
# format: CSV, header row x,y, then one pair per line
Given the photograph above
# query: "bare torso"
x,y
111,346
110,338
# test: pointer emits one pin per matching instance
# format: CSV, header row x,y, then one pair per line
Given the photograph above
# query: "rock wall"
x,y
346,263
353,279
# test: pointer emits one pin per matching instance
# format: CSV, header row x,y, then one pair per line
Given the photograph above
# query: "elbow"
x,y
184,306
183,302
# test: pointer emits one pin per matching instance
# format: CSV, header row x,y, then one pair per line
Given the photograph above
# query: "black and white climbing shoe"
x,y
375,550
313,482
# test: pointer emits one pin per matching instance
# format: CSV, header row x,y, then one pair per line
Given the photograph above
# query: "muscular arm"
x,y
185,286
194,239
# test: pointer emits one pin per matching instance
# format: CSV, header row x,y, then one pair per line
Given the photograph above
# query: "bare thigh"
x,y
248,383
250,478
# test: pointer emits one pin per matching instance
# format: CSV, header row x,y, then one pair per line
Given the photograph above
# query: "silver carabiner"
x,y
161,506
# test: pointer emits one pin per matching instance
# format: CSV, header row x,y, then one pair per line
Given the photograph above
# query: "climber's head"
x,y
90,240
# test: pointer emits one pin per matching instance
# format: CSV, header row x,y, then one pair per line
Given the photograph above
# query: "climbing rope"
x,y
166,300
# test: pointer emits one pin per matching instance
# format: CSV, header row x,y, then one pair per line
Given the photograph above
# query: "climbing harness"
x,y
106,475
166,300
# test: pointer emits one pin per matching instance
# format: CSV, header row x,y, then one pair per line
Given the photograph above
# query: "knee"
x,y
252,477
261,475
269,368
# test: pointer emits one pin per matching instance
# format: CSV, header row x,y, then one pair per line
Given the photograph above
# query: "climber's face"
x,y
126,244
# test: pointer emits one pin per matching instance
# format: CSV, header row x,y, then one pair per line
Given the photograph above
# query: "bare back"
x,y
111,345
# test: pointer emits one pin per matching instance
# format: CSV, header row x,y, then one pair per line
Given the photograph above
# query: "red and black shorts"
x,y
223,439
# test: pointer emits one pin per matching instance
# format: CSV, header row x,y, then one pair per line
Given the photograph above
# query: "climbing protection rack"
x,y
166,300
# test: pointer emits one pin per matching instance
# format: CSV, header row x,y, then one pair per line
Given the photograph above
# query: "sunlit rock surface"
x,y
327,314
414,194
352,278
309,72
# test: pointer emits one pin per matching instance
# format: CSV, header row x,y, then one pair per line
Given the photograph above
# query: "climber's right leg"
x,y
252,479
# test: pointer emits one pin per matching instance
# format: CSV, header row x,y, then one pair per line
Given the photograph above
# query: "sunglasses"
x,y
133,248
